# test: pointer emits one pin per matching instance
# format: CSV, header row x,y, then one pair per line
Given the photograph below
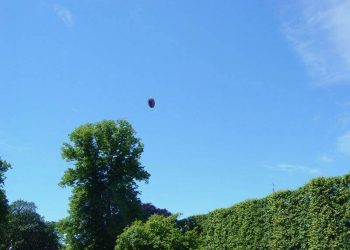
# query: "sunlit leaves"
x,y
316,216
106,157
161,233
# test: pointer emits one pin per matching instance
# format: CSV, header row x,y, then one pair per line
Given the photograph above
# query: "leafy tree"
x,y
4,166
106,157
149,210
159,232
27,230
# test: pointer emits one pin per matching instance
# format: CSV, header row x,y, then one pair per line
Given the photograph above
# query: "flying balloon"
x,y
151,102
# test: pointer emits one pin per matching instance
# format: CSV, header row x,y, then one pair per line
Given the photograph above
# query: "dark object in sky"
x,y
151,102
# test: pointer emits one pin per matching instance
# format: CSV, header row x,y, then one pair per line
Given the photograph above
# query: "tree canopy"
x,y
106,157
27,230
159,232
106,213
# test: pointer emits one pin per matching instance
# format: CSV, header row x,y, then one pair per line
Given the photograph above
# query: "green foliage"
x,y
27,230
106,157
104,201
316,216
4,166
159,232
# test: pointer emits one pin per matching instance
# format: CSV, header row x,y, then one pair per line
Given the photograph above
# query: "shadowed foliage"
x,y
27,230
149,210
4,167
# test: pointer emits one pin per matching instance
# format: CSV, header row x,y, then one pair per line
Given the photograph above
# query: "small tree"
x,y
159,232
106,157
27,230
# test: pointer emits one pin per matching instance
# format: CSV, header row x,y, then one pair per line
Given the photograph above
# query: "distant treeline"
x,y
315,216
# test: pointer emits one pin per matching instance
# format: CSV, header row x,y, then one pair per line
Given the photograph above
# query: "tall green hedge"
x,y
315,216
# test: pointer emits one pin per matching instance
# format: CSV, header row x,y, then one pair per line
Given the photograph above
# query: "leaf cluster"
x,y
159,232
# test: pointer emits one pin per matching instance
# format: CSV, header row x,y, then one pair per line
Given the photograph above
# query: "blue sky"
x,y
247,94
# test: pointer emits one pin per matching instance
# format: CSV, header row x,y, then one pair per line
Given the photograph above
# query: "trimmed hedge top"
x,y
315,216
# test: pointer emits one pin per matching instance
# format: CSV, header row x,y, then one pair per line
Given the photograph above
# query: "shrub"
x,y
158,232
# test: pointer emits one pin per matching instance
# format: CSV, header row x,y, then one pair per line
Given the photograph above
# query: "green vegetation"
x,y
159,232
105,211
4,209
106,167
316,216
26,229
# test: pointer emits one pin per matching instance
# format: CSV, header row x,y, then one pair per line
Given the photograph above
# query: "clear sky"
x,y
248,93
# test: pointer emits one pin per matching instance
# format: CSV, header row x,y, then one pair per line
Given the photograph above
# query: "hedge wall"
x,y
315,216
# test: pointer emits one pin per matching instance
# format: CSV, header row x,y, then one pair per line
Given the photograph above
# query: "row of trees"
x,y
105,169
105,212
